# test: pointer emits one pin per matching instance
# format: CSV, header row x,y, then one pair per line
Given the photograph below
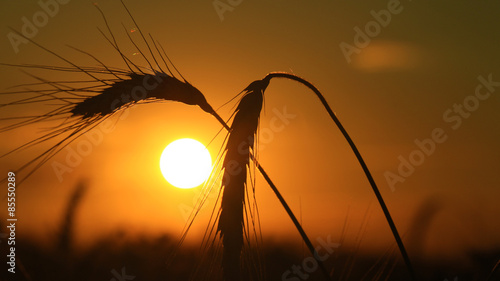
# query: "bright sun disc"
x,y
186,163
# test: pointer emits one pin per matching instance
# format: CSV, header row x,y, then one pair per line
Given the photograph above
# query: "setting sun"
x,y
186,163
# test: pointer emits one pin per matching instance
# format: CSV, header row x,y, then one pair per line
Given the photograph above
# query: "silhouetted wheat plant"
x,y
236,161
109,90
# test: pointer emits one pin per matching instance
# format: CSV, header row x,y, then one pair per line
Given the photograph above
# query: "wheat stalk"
x,y
493,271
237,158
360,159
68,223
103,97
107,92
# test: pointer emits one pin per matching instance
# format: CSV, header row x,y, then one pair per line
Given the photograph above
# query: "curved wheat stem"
x,y
360,160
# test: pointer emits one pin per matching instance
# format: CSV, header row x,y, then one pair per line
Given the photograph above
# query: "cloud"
x,y
389,56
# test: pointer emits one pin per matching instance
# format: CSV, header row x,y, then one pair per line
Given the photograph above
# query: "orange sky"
x,y
396,90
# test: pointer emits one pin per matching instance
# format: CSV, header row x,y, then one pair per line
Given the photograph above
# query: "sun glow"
x,y
186,163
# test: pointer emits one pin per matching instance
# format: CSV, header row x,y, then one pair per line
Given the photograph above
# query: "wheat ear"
x,y
236,161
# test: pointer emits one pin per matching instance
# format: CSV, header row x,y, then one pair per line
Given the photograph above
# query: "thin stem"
x,y
296,222
285,205
493,271
360,160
